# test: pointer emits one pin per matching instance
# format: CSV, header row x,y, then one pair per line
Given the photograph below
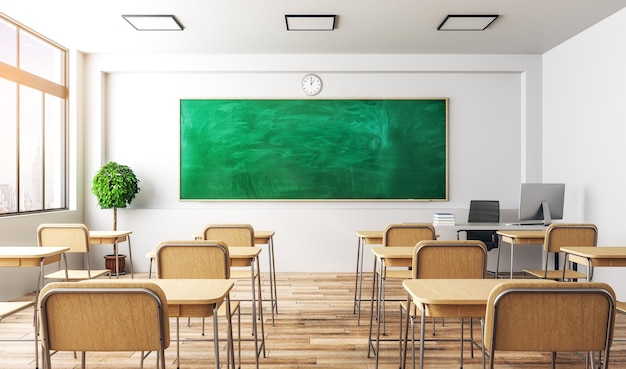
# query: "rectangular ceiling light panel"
x,y
310,22
466,22
154,22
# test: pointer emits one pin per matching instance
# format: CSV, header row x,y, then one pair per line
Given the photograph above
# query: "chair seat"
x,y
620,306
556,274
77,275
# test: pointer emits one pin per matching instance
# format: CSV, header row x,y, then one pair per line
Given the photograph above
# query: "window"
x,y
33,121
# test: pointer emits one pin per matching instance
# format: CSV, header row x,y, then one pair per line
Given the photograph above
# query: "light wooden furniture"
x,y
381,254
32,256
198,260
114,238
399,235
192,298
518,238
443,259
395,258
76,237
260,238
103,316
566,317
595,256
244,263
557,236
8,308
267,238
451,297
363,238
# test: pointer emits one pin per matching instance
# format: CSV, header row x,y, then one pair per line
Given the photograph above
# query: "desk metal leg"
x,y
130,256
512,247
273,292
370,345
358,283
422,333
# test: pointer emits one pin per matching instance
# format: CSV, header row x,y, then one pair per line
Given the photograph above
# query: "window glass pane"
x,y
40,58
8,146
30,151
54,158
8,40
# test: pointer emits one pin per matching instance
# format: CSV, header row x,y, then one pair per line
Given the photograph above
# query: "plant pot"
x,y
109,263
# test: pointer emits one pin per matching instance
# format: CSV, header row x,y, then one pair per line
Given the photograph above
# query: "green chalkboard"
x,y
313,149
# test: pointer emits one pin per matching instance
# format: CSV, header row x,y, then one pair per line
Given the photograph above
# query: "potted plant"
x,y
115,186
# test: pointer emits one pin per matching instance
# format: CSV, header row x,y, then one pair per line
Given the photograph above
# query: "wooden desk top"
x,y
599,256
107,237
27,256
235,252
468,296
370,234
522,237
260,237
393,252
597,252
187,291
244,252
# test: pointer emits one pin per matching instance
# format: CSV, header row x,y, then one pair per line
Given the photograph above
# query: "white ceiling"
x,y
258,26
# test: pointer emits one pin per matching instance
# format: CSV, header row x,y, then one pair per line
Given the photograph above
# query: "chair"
x,y
404,235
76,237
242,235
484,211
547,317
103,316
442,259
197,259
558,235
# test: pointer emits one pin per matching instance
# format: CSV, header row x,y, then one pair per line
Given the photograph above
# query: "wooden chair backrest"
x,y
72,235
408,235
230,234
550,317
450,259
104,316
569,234
198,259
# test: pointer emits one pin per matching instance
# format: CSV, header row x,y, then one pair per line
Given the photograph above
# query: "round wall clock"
x,y
311,84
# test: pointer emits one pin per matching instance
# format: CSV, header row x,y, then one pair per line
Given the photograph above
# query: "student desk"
x,y
196,298
363,238
519,238
113,238
242,255
448,298
262,238
596,256
383,253
31,256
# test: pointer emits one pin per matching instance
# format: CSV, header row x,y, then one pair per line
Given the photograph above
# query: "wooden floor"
x,y
315,328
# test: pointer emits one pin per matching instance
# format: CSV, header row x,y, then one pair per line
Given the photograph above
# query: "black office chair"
x,y
484,211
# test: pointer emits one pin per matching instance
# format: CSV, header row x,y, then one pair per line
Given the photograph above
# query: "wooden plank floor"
x,y
315,328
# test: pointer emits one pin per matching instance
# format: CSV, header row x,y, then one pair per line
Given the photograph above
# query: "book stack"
x,y
444,219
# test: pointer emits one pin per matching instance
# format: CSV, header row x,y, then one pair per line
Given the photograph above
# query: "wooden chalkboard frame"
x,y
314,149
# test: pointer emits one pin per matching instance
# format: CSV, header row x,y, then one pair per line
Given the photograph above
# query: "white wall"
x,y
584,127
132,116
125,108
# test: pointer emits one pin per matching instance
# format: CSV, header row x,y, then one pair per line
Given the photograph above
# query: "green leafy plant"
x,y
115,186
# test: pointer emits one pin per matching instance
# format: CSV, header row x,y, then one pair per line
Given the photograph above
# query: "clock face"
x,y
311,84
